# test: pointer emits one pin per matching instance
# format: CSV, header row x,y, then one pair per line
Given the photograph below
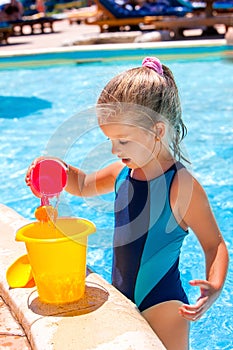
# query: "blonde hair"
x,y
156,93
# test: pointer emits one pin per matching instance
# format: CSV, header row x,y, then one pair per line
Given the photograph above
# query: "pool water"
x,y
50,110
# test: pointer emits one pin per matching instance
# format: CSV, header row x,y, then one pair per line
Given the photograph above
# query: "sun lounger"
x,y
114,15
36,24
66,5
160,8
81,14
223,6
177,25
5,31
179,15
214,6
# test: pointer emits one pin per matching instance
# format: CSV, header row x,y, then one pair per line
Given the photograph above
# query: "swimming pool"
x,y
51,108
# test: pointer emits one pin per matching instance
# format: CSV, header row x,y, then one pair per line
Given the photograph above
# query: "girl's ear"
x,y
159,129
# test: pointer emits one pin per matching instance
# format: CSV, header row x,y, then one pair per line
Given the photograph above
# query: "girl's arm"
x,y
97,183
81,184
197,215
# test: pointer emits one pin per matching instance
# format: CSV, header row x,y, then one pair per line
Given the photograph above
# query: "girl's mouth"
x,y
125,160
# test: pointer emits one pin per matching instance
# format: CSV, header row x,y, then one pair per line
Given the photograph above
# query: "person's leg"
x,y
170,327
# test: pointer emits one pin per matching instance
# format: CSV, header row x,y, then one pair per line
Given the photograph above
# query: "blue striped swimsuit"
x,y
147,240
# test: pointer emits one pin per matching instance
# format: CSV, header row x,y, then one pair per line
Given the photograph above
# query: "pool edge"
x,y
100,47
120,322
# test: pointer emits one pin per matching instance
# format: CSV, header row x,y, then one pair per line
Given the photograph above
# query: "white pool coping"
x,y
115,47
103,320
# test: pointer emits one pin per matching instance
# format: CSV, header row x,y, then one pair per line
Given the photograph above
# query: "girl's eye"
x,y
123,142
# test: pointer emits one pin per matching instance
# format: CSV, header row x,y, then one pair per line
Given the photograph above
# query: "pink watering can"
x,y
48,179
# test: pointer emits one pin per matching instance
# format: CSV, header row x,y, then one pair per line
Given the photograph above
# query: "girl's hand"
x,y
208,295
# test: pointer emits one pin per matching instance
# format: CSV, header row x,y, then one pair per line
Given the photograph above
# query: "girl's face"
x,y
133,145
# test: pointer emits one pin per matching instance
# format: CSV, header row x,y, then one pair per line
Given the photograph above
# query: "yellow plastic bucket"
x,y
57,254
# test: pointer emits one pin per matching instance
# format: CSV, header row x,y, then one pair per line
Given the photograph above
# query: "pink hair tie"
x,y
153,63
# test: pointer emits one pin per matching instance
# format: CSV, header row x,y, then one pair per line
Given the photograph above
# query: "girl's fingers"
x,y
32,166
199,306
204,285
194,312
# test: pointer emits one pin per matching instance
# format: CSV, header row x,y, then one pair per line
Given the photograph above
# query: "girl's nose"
x,y
115,147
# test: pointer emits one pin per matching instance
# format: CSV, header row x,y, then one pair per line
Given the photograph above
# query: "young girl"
x,y
157,201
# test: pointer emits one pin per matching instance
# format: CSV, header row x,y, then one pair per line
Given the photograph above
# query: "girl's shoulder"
x,y
187,191
188,198
185,177
186,181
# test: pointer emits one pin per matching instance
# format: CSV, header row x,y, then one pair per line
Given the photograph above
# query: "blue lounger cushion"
x,y
162,8
4,24
219,4
223,5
